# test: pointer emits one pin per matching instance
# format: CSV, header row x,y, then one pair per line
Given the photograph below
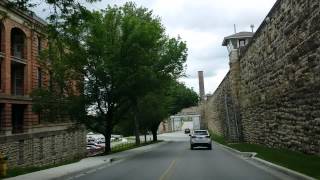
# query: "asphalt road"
x,y
176,161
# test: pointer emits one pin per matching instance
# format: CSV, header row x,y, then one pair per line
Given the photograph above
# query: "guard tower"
x,y
236,41
234,44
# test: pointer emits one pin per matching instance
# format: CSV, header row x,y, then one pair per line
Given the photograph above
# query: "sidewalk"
x,y
84,165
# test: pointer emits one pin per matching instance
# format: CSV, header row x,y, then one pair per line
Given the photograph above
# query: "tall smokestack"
x,y
201,85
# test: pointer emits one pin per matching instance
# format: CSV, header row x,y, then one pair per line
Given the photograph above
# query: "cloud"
x,y
202,24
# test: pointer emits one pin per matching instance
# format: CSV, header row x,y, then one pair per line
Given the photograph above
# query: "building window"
x,y
17,79
39,78
17,118
39,45
17,43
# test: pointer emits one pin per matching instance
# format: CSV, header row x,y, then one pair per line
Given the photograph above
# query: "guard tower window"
x,y
242,42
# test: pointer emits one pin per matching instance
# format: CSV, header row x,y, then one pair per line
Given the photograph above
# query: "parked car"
x,y
95,146
187,131
116,137
200,138
91,147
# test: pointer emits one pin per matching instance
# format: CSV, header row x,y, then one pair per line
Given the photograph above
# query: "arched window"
x,y
18,38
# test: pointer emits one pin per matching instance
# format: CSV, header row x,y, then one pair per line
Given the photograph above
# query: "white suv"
x,y
200,138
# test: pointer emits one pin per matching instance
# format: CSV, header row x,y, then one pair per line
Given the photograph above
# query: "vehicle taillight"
x,y
207,136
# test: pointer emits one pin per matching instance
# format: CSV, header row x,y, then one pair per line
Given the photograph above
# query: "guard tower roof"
x,y
238,35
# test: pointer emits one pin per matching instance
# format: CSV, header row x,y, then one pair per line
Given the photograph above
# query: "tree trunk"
x,y
154,135
107,136
136,130
107,149
145,137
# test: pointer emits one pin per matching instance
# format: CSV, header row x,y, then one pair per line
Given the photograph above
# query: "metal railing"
x,y
18,59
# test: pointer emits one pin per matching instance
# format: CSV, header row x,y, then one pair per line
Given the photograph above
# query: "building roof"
x,y
237,36
27,15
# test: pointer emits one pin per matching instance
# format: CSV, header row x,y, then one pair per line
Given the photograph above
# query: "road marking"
x,y
168,171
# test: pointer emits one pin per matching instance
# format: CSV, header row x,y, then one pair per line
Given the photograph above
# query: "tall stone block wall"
x,y
280,79
220,112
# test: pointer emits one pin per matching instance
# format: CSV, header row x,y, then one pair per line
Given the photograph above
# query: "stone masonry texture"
x,y
220,112
279,88
44,148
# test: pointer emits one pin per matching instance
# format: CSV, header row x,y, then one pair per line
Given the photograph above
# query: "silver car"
x,y
200,138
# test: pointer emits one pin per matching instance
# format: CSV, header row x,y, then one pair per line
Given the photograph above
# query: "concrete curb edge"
x,y
282,169
110,161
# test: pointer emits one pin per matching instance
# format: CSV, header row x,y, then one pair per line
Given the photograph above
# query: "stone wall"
x,y
280,79
279,84
220,113
44,148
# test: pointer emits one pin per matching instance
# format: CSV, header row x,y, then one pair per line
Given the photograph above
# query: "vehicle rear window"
x,y
200,133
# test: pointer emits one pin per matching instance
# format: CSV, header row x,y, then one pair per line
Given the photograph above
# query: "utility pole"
x,y
252,27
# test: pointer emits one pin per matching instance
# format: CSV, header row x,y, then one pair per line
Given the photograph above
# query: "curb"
x,y
289,172
284,170
86,170
109,162
244,154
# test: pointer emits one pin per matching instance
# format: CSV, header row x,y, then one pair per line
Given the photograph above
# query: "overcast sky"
x,y
203,24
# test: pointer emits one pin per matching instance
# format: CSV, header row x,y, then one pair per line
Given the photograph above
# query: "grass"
x,y
128,146
218,138
19,171
303,163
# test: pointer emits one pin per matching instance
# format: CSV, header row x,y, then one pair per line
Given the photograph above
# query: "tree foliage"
x,y
166,101
107,65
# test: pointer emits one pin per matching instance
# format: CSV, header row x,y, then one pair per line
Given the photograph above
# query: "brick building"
x,y
24,138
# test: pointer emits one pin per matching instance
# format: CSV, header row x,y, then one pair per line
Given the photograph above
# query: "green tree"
x,y
102,63
181,97
160,104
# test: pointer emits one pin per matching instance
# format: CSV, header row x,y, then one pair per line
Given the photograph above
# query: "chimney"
x,y
201,85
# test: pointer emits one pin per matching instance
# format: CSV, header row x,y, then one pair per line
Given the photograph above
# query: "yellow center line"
x,y
167,172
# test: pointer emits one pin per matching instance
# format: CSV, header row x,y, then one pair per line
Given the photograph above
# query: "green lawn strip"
x,y
128,146
217,138
306,164
19,171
